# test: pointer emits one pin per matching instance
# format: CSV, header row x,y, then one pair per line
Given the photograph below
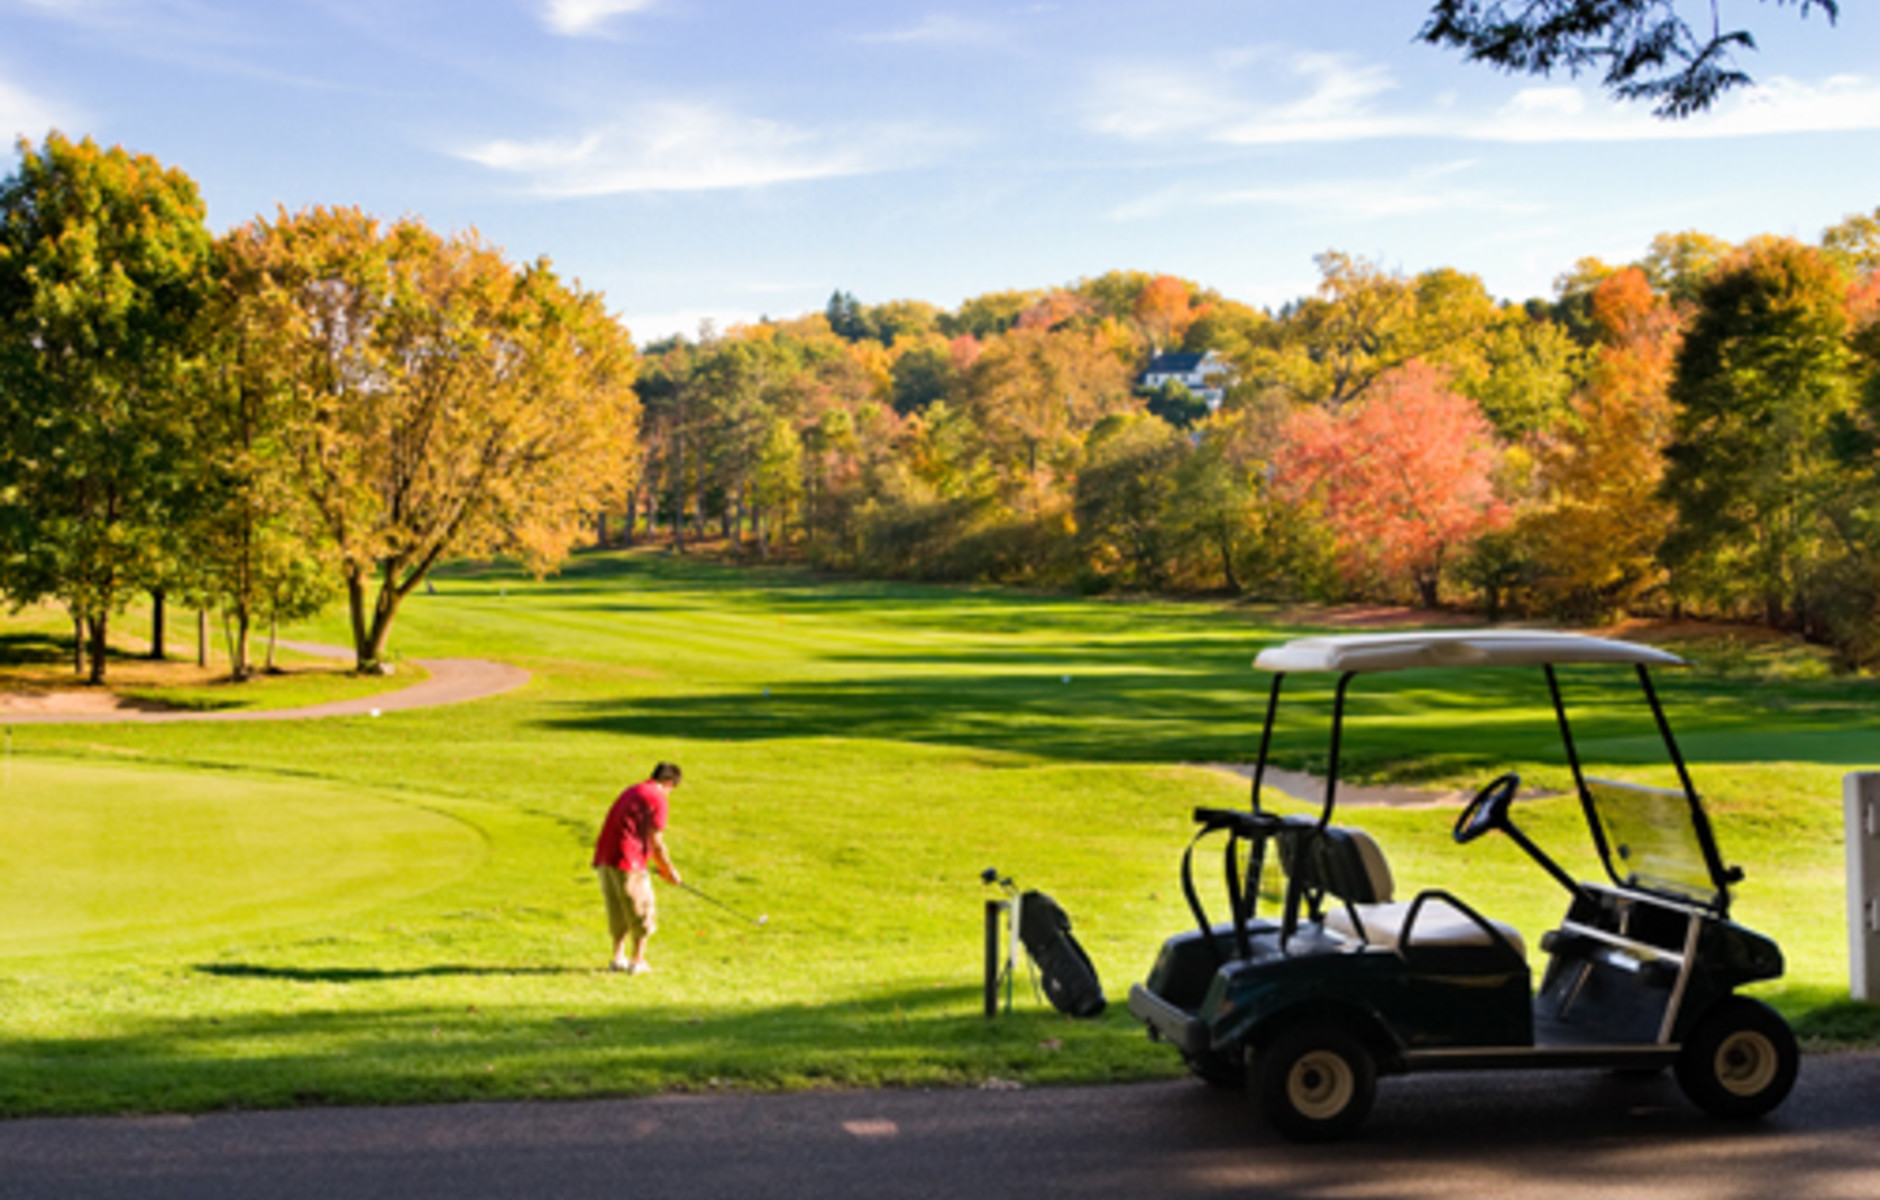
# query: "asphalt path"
x,y
1534,1136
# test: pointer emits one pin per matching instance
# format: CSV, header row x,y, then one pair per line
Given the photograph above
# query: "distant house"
x,y
1206,375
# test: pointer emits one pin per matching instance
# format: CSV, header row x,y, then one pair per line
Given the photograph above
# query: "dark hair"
x,y
668,773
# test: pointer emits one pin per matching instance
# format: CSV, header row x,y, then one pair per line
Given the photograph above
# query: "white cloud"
x,y
939,29
22,114
1337,99
694,147
574,18
1423,191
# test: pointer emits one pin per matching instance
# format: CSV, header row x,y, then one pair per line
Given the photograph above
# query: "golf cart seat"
x,y
1350,865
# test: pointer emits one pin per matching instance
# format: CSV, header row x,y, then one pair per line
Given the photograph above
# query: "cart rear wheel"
x,y
1740,1061
1315,1082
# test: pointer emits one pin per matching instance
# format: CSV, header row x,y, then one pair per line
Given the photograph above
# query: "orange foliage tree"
x,y
1402,477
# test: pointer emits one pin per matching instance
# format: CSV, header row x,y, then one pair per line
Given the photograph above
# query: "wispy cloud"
x,y
575,18
1325,98
23,114
938,29
1431,189
678,147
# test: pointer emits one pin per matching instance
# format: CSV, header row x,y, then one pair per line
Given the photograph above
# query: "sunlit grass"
x,y
855,753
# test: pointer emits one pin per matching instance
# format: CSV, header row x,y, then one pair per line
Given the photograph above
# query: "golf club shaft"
x,y
721,904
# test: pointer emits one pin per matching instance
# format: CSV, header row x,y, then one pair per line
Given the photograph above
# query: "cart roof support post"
x,y
1862,793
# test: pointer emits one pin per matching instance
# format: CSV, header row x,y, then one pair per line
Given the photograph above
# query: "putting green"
x,y
101,859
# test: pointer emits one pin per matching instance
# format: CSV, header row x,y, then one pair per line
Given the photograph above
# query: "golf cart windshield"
x,y
1651,842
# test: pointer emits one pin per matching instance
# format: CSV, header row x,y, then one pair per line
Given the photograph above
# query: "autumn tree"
x,y
447,402
103,270
1124,495
1596,533
1033,394
1403,478
258,547
1762,381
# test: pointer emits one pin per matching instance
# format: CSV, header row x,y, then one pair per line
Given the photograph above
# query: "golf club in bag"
x,y
1037,921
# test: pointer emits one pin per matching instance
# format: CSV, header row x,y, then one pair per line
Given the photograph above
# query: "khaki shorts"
x,y
630,908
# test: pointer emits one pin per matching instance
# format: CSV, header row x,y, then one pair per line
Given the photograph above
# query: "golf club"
x,y
761,919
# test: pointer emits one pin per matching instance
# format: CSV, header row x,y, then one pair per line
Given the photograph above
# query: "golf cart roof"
x,y
1454,648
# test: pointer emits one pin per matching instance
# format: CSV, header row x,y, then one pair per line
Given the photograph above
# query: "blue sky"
x,y
727,159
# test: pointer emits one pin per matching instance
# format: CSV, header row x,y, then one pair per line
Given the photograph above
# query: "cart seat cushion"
x,y
1439,923
1346,862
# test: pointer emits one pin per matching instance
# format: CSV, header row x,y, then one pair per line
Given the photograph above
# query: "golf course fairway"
x,y
196,915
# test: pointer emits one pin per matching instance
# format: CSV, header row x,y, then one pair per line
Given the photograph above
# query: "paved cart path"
x,y
1533,1136
452,681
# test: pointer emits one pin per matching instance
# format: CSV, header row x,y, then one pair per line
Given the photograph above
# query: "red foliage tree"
x,y
1402,477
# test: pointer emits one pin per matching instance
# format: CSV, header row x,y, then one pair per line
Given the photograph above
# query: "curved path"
x,y
452,681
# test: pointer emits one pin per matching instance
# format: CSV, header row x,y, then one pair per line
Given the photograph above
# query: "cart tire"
x,y
1314,1082
1217,1070
1740,1061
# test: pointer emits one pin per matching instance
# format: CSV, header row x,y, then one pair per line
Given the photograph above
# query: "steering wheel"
x,y
1489,809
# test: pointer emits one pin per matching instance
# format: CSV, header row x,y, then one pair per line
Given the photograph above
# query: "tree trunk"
x,y
633,514
202,637
97,624
600,531
78,643
678,498
235,627
156,625
1225,538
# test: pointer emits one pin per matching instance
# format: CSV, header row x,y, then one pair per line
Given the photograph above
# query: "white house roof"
x,y
1454,648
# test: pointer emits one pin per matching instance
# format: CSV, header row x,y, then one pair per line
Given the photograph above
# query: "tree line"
x,y
322,404
1691,434
308,406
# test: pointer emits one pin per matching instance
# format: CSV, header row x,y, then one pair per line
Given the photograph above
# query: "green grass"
x,y
360,910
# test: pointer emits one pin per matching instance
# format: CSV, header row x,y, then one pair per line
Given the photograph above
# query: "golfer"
x,y
632,840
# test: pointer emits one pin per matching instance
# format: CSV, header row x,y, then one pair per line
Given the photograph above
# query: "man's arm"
x,y
662,862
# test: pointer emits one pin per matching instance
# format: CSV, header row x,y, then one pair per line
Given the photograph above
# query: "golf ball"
x,y
763,918
1067,679
375,712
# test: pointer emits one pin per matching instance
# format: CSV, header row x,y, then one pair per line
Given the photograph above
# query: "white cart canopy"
x,y
1454,648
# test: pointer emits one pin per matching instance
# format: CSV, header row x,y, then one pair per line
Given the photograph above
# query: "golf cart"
x,y
1307,1006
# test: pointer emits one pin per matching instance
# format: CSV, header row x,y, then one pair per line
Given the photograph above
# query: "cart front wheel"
x,y
1315,1082
1740,1061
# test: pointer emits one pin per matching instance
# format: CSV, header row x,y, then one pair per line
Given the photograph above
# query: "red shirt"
x,y
627,833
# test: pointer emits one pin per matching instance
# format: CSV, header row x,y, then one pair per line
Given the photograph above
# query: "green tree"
x,y
1646,49
103,270
1762,381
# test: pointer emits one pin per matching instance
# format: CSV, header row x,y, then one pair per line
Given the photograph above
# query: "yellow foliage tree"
x,y
445,402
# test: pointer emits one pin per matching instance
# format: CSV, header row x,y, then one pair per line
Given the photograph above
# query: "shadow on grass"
x,y
368,974
617,1040
1200,704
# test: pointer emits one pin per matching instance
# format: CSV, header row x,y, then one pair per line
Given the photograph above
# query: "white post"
x,y
1862,793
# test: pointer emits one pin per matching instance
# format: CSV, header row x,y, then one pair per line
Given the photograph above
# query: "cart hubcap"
x,y
1746,1063
1320,1085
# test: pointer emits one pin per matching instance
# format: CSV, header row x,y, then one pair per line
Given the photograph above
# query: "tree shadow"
x,y
367,974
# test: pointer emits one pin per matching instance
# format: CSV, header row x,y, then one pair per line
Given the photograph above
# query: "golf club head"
x,y
989,875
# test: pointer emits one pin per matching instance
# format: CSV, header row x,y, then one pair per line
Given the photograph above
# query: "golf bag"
x,y
1070,981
